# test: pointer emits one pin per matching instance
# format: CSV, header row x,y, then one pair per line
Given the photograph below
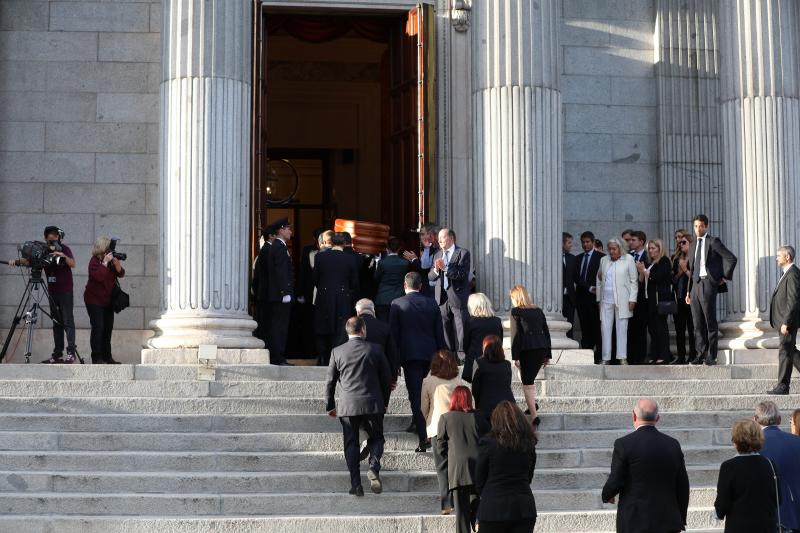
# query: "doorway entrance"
x,y
343,120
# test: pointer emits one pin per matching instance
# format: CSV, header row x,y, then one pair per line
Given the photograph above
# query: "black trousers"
x,y
325,343
788,356
637,333
453,321
375,442
568,311
659,337
684,324
440,463
262,318
704,314
589,316
414,372
63,322
462,500
279,315
102,322
516,526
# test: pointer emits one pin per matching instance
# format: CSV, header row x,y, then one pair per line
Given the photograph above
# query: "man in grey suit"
x,y
363,373
451,271
784,315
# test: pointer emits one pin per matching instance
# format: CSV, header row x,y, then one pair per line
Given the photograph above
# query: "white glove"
x,y
287,299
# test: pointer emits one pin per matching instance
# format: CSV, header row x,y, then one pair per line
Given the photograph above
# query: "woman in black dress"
x,y
480,325
457,440
504,471
530,342
684,325
746,489
657,278
491,383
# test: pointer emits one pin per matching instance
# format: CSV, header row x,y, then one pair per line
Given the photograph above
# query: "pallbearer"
x,y
281,291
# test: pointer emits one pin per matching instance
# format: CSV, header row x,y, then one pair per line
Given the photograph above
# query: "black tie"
x,y
584,265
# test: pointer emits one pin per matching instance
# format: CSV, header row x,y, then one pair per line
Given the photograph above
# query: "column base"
x,y
191,331
747,334
188,356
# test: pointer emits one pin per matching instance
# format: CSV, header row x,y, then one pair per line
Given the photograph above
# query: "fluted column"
x,y
760,43
204,186
517,167
687,81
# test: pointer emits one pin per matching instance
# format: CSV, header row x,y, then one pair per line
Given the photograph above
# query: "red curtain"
x,y
316,29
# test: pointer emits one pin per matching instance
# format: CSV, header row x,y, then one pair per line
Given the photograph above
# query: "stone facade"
x,y
640,116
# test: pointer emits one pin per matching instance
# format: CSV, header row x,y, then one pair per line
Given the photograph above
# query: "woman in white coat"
x,y
617,287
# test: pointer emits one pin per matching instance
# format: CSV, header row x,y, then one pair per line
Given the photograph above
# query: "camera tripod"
x,y
35,292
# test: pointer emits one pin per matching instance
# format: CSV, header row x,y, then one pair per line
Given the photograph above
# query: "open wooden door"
x,y
408,157
259,130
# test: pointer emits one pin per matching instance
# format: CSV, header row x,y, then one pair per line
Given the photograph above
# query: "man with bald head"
x,y
649,475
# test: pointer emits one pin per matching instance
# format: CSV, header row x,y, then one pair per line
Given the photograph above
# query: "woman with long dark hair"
x,y
457,439
491,383
504,471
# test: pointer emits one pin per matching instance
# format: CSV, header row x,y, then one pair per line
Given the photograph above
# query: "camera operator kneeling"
x,y
104,270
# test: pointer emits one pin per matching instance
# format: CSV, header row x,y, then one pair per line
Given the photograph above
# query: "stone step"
x,y
567,479
316,389
321,422
276,461
314,441
313,373
282,504
587,404
700,521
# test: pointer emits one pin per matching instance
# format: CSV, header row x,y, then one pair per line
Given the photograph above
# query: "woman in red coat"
x,y
104,270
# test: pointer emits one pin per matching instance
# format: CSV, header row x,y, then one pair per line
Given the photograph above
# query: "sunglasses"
x,y
683,242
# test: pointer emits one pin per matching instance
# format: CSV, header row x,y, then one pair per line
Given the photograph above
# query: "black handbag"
x,y
119,298
667,307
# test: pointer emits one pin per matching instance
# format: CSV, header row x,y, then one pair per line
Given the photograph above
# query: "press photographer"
x,y
105,269
58,262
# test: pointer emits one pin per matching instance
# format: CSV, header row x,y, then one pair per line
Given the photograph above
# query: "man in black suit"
x,y
637,324
336,279
784,315
424,262
365,378
305,292
450,272
281,291
364,287
649,474
710,264
416,327
261,284
585,277
568,277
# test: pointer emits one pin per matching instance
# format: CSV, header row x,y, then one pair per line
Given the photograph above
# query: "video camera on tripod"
x,y
38,254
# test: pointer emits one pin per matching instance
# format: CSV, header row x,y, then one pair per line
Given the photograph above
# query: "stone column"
x,y
205,180
517,166
760,44
687,81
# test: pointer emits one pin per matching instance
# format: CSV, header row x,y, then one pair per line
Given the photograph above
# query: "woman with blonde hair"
x,y
480,325
746,489
530,342
104,270
617,289
657,278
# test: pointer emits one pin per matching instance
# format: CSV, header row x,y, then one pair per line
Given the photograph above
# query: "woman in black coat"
x,y
746,489
658,281
457,439
504,471
491,383
530,342
680,288
480,325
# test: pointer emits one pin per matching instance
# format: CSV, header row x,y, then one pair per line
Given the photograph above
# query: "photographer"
x,y
104,270
59,285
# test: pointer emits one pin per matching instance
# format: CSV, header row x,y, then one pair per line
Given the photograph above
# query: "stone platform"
x,y
149,448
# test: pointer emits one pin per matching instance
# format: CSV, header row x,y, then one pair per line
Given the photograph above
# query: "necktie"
x,y
446,262
584,265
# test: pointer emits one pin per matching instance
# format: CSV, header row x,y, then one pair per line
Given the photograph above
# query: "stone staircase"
x,y
149,448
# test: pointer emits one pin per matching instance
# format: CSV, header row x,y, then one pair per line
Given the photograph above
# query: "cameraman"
x,y
59,285
104,270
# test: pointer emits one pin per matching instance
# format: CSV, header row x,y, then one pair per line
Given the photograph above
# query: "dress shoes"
x,y
447,511
110,361
423,447
780,389
711,361
375,484
697,360
357,491
606,362
677,360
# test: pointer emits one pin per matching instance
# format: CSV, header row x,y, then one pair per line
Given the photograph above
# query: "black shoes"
x,y
780,389
710,361
357,491
697,360
423,447
677,360
375,484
